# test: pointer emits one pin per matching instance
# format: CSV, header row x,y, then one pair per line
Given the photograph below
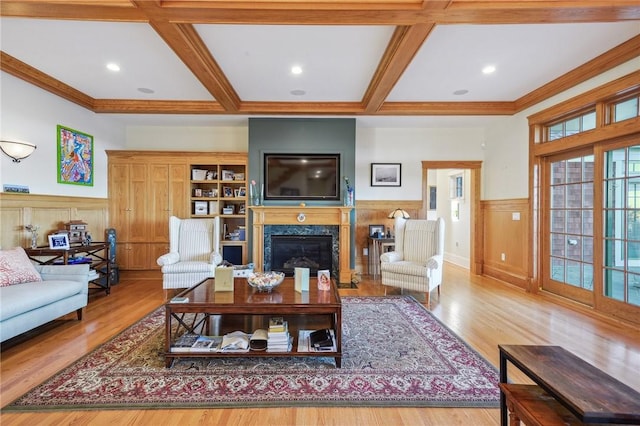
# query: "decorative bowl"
x,y
265,281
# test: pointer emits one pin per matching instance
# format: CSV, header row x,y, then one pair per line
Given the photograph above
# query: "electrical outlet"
x,y
503,257
365,251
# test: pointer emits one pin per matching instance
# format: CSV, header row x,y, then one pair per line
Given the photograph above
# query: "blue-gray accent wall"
x,y
302,136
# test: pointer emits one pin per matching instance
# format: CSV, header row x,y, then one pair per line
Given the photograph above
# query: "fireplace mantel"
x,y
299,215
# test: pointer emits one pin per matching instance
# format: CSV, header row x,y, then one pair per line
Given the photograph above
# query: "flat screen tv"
x,y
302,176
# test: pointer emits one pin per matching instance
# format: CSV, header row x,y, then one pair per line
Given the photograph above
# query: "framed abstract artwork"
x,y
74,157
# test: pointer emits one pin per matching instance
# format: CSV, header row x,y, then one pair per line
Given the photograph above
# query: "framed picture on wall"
x,y
386,174
74,157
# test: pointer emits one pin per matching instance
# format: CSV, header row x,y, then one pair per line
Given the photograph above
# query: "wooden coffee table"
x,y
246,309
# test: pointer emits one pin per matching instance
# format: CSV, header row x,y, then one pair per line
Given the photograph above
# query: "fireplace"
x,y
301,251
268,221
303,246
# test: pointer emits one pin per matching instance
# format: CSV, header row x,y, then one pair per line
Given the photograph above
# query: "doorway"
x,y
475,231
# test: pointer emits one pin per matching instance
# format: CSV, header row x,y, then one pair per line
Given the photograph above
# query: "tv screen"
x,y
302,176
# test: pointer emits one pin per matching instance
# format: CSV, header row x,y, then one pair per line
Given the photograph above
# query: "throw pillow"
x,y
16,268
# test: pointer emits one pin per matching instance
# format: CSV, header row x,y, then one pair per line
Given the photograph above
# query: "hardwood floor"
x,y
482,311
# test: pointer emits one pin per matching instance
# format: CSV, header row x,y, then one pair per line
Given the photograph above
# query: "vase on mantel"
x,y
254,194
349,197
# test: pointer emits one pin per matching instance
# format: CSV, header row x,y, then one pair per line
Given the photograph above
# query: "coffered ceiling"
x,y
201,60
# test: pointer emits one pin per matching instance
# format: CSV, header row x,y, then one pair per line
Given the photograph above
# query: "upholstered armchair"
x,y
417,260
194,252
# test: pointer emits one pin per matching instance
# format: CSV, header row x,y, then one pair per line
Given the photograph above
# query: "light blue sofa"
x,y
64,289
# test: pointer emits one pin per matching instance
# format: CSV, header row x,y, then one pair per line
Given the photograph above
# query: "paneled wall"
x,y
50,213
375,213
507,243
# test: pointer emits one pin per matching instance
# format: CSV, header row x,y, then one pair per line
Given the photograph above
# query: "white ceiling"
x,y
338,61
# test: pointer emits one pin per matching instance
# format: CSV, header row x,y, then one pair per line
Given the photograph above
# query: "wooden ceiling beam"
x,y
402,48
331,12
132,106
447,108
186,43
26,72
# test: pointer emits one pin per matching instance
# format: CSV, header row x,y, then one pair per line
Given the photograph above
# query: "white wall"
x,y
505,170
30,114
409,146
192,138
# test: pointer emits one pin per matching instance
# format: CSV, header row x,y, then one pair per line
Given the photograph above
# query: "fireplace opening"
x,y
301,251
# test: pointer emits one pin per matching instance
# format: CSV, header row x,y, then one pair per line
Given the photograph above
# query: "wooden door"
x,y
159,203
139,212
119,200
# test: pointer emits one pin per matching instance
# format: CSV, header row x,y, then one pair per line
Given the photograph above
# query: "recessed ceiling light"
x,y
298,92
296,69
489,69
112,66
145,90
461,92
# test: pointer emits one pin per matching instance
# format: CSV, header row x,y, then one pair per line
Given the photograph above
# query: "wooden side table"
x,y
97,254
377,246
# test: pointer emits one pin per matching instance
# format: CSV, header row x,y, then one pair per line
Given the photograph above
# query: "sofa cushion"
x,y
16,268
21,298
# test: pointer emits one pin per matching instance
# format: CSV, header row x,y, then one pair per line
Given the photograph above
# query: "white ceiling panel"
x,y
337,61
76,53
526,57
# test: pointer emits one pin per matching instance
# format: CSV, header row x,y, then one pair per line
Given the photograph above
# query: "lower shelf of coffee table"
x,y
249,323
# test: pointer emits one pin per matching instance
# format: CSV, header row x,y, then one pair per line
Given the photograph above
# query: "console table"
x,y
96,254
587,392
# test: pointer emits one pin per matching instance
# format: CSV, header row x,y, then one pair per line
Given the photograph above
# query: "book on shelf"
x,y
304,344
206,344
284,346
276,324
184,342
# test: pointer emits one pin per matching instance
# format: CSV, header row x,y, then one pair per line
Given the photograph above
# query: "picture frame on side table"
x,y
74,157
376,231
58,241
386,174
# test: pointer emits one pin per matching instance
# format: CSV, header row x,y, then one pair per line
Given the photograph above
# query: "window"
x,y
622,225
625,109
572,126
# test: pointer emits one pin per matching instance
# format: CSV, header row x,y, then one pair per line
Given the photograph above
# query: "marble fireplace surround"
x,y
332,217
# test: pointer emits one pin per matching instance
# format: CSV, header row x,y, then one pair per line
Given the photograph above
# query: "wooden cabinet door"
x,y
159,203
119,200
139,212
179,190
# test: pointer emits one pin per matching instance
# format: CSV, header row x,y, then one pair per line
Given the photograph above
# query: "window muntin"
x,y
622,225
572,126
571,227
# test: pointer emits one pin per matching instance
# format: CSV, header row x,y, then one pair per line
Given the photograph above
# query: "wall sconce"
x,y
398,213
17,150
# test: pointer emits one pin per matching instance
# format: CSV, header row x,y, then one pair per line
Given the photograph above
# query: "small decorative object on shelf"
x,y
348,194
34,234
255,195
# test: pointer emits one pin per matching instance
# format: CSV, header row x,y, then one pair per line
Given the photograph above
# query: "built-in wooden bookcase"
x,y
219,188
146,187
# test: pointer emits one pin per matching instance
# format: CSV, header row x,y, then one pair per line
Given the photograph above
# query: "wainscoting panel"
x,y
50,213
507,243
374,212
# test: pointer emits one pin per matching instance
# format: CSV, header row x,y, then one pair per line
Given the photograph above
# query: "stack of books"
x,y
278,339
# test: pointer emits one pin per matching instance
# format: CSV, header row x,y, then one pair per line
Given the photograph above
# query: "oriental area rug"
x,y
395,353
